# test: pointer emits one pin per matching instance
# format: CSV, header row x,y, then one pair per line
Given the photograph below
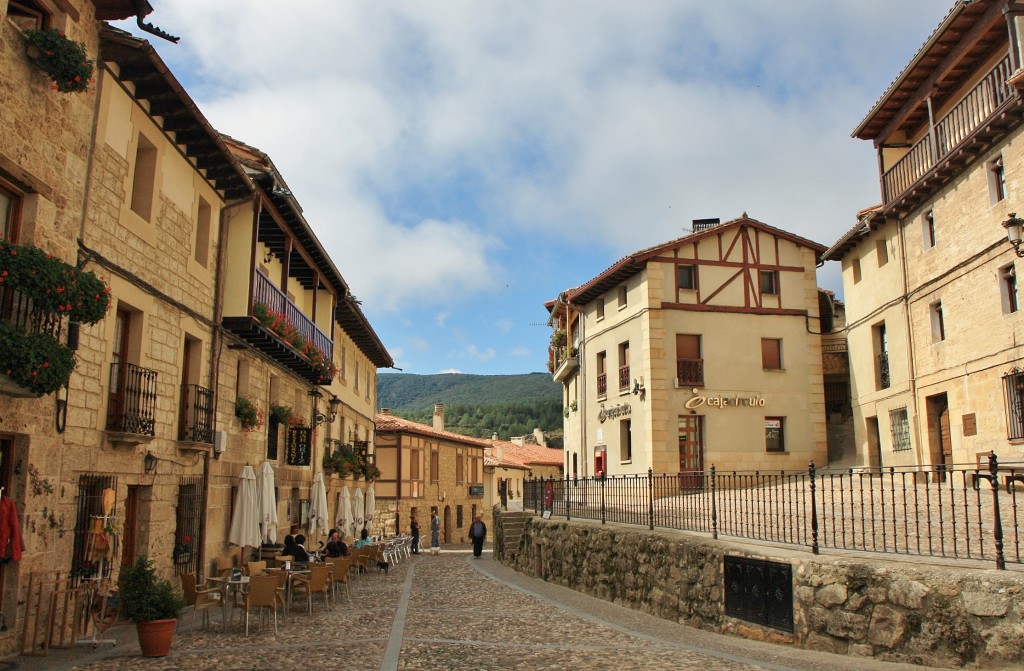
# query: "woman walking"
x,y
435,533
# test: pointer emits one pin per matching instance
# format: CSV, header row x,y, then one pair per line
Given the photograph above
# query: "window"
x,y
28,15
882,252
600,308
434,466
460,474
355,378
458,517
415,461
10,211
938,322
856,271
1013,400
771,353
1008,289
203,217
602,374
996,180
623,297
144,179
624,366
900,426
928,229
770,282
774,434
881,346
687,277
689,364
626,441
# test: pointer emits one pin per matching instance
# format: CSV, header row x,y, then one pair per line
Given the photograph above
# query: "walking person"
x,y
477,534
414,526
435,533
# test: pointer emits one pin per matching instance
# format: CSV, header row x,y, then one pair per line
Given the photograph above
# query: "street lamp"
x,y
319,417
1014,227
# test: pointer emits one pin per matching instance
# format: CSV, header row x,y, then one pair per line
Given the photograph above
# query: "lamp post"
x,y
1014,227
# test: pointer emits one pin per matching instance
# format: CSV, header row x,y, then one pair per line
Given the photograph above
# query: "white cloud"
x,y
479,355
447,371
520,351
505,325
441,318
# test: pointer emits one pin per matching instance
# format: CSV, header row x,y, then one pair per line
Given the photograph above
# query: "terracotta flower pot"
x,y
155,637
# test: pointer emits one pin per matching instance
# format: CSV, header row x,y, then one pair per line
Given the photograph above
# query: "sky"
x,y
464,162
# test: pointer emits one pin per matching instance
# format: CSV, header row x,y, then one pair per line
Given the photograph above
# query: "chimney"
x,y
499,451
385,411
704,224
539,435
439,416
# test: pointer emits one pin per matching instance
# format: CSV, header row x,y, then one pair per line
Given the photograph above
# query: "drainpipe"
x,y
911,365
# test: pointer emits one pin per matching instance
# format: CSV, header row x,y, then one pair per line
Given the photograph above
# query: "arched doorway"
x,y
447,524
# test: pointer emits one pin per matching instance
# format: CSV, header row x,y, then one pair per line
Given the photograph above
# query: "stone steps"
x,y
512,525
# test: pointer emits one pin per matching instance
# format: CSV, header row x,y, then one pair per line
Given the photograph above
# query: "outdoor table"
x,y
291,573
234,584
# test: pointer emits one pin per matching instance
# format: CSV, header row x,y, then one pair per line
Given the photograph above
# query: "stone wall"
x,y
903,611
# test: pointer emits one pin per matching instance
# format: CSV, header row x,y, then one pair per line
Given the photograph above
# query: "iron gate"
x,y
187,532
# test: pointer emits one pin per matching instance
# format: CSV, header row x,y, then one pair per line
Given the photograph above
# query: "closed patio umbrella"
x,y
371,507
268,503
345,520
360,511
318,508
245,520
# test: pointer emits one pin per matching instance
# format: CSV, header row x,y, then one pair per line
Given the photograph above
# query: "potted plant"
x,y
248,414
61,58
152,604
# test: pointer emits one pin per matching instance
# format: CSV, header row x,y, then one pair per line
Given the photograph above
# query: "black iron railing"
x,y
187,551
94,530
196,423
971,512
690,372
264,291
883,370
19,310
132,407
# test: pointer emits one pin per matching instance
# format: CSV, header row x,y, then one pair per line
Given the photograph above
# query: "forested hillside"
x,y
476,405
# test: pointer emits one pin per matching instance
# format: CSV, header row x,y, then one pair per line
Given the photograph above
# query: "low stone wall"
x,y
893,611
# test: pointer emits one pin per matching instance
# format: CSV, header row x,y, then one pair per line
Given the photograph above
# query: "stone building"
x,y
704,350
219,291
509,463
929,275
426,468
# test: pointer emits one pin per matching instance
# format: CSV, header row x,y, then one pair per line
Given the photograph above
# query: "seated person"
x,y
336,546
364,538
300,549
289,547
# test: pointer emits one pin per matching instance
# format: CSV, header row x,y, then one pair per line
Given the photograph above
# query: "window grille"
x,y
189,516
1013,400
900,429
87,552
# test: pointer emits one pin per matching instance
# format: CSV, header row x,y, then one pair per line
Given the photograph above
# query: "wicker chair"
x,y
339,573
315,583
262,595
203,599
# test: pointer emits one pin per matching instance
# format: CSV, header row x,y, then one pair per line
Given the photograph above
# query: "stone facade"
x,y
894,611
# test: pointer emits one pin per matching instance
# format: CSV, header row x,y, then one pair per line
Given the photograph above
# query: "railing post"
x,y
714,504
566,496
650,498
603,478
814,509
997,521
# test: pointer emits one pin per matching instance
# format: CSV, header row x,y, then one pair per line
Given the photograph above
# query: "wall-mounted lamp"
x,y
1014,227
638,387
266,257
149,463
319,417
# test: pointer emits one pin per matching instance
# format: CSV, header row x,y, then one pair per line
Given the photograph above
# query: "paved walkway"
x,y
453,613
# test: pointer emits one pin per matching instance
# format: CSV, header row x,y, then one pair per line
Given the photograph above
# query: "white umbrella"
x,y
360,511
318,507
245,521
345,522
268,503
371,507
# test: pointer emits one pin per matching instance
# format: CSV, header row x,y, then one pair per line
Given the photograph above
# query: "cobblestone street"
x,y
452,612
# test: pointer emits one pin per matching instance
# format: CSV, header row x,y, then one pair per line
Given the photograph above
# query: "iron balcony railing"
x,y
602,384
265,292
690,372
132,407
883,370
196,420
972,512
18,310
973,110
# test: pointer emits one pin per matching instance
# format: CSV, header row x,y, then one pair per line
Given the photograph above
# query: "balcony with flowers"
x,y
40,297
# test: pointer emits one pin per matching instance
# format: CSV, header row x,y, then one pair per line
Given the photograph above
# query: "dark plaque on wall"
x,y
299,449
759,591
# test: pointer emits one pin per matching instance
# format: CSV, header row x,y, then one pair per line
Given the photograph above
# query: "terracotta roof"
x,y
389,422
633,263
493,462
532,455
865,219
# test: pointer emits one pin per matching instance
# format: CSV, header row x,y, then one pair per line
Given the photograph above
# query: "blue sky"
x,y
463,162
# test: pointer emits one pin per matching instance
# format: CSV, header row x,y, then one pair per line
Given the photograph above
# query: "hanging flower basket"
x,y
61,58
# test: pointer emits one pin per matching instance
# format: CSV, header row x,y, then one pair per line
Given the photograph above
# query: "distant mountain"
x,y
476,405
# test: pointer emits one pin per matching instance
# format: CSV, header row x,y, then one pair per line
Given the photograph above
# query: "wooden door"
x,y
131,524
691,452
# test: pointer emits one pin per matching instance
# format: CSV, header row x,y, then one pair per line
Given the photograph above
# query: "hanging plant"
x,y
558,338
35,361
54,286
61,58
281,414
248,414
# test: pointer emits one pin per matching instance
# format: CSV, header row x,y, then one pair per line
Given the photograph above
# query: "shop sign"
x,y
755,401
613,412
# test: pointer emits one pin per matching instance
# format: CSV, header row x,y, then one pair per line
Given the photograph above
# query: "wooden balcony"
x,y
565,362
974,116
690,372
261,337
624,378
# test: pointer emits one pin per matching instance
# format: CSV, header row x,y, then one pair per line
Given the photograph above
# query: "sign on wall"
x,y
299,447
720,402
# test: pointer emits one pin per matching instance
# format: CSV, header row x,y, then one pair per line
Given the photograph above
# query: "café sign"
x,y
698,400
613,412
